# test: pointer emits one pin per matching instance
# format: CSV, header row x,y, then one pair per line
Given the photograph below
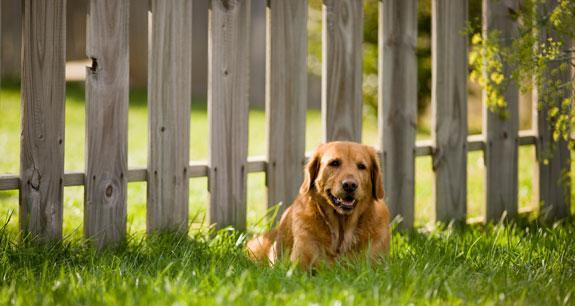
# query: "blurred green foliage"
x,y
540,56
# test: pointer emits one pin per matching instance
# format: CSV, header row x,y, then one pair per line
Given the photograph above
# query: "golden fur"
x,y
326,220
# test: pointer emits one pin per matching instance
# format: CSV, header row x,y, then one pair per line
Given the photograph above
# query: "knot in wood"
x,y
228,4
109,191
109,185
35,179
94,66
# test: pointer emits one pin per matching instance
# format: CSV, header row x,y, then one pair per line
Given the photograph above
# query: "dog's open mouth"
x,y
346,203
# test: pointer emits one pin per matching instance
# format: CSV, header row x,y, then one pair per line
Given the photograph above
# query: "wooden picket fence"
x,y
42,177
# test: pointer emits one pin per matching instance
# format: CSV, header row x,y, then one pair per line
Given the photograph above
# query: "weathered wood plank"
x,y
286,94
9,182
169,101
341,97
397,111
106,122
475,143
43,98
198,169
554,160
449,102
228,90
501,132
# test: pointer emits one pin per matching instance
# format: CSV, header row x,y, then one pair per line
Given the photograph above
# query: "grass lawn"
x,y
482,264
513,264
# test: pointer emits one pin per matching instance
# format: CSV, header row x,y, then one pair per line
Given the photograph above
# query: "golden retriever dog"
x,y
339,210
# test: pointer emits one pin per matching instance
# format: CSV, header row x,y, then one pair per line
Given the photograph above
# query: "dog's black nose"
x,y
349,185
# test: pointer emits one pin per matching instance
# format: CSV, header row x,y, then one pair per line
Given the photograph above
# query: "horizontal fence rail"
x,y
255,164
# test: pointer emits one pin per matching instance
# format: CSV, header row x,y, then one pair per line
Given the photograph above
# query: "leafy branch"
x,y
539,56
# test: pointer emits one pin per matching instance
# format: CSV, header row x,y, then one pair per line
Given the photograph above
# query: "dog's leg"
x,y
259,247
305,253
379,247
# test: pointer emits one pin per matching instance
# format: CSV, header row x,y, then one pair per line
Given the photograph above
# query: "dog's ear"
x,y
376,177
310,172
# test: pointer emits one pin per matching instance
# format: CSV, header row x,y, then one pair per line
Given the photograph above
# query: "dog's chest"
x,y
342,241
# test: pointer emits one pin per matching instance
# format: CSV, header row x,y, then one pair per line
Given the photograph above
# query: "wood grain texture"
x,y
341,97
397,111
106,122
9,182
554,160
286,94
501,133
449,106
169,100
228,90
42,138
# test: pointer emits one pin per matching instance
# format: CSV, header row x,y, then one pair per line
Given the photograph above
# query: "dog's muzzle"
x,y
346,203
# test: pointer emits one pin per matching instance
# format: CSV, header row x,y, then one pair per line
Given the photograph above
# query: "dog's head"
x,y
345,174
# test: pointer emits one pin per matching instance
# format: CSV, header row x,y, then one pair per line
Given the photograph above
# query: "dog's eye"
x,y
361,166
335,163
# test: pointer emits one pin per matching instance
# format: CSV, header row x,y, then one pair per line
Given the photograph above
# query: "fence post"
x,y
228,90
341,97
501,129
553,157
106,122
286,95
170,97
449,102
43,97
397,111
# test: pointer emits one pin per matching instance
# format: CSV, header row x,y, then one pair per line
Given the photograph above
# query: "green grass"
x,y
512,264
502,264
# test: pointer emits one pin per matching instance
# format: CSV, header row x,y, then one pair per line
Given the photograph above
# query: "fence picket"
x,y
398,104
286,99
170,97
449,103
228,90
43,98
553,157
106,122
342,69
501,133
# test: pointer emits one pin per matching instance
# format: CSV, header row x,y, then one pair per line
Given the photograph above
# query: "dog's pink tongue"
x,y
347,202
